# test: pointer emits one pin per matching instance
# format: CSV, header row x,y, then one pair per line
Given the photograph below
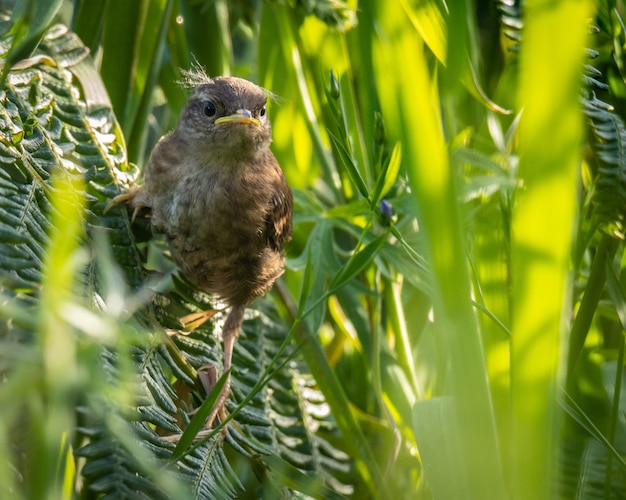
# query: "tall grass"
x,y
430,286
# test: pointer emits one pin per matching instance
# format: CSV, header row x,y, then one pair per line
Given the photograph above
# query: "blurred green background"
x,y
451,321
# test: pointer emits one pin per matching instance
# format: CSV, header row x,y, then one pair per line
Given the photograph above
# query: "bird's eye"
x,y
262,113
209,108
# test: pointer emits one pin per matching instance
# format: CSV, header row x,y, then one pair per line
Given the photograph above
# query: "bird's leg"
x,y
230,334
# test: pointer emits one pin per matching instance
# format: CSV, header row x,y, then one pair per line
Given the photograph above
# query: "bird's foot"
x,y
195,320
130,196
208,379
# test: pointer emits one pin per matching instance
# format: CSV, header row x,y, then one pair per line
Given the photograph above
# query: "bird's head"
x,y
228,115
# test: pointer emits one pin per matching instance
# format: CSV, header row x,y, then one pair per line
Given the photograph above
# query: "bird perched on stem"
x,y
216,191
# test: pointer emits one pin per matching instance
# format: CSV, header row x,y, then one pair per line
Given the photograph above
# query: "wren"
x,y
216,191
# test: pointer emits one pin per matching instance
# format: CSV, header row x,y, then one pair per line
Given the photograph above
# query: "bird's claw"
x,y
195,320
128,196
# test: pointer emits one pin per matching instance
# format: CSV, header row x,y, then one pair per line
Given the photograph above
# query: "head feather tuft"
x,y
194,77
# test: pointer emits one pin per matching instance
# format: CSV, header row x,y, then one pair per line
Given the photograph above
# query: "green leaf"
x,y
88,21
30,18
433,183
388,174
436,435
197,423
429,21
576,412
207,31
351,168
307,282
550,156
357,262
146,78
58,118
119,53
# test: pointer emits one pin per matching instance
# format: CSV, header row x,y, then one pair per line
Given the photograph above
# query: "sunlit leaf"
x,y
357,262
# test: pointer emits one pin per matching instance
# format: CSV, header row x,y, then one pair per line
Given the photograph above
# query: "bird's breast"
x,y
217,213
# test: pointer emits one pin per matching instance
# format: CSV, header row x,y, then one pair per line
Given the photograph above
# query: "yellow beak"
x,y
241,116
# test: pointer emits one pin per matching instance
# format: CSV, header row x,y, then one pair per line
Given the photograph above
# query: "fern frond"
x,y
511,19
55,117
608,198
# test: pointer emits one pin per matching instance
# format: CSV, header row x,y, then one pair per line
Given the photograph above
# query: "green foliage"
x,y
454,283
93,335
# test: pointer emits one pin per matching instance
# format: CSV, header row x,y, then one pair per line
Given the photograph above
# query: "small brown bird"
x,y
216,191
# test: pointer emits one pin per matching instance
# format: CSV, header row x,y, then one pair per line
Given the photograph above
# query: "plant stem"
x,y
593,291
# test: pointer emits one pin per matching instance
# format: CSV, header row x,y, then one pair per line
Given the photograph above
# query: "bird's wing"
x,y
278,219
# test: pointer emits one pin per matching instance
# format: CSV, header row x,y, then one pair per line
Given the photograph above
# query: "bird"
x,y
214,188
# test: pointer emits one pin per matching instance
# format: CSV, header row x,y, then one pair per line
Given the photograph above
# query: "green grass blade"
x,y
207,30
427,18
591,298
433,424
410,104
353,435
357,262
388,174
59,347
87,22
30,18
141,105
197,422
119,57
577,413
543,220
351,168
